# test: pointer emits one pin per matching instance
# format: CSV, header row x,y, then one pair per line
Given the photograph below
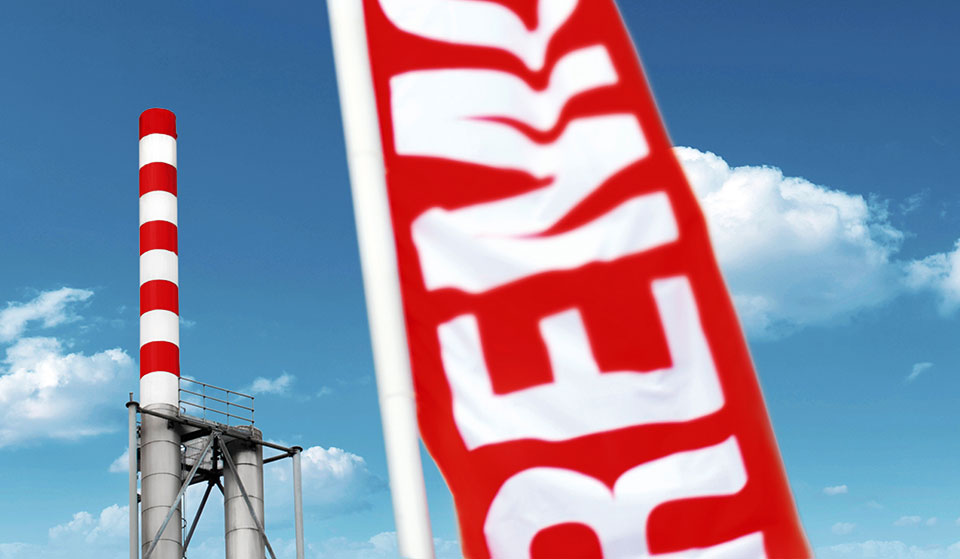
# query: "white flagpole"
x,y
380,278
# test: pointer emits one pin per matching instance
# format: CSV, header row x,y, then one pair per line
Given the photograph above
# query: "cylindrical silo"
x,y
160,460
243,539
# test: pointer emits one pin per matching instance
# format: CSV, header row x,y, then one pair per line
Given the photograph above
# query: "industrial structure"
x,y
189,432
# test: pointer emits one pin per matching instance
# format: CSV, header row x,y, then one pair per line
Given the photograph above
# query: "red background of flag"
x,y
614,298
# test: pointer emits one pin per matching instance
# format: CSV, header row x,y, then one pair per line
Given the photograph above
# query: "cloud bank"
x,y
47,391
334,480
85,536
794,253
798,254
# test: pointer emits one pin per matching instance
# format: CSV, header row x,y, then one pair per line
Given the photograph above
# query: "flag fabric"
x,y
581,378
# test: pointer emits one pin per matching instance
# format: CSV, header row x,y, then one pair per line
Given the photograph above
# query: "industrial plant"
x,y
184,432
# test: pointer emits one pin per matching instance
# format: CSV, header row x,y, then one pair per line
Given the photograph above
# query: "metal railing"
x,y
199,399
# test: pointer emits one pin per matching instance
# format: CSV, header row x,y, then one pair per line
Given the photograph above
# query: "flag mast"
x,y
380,278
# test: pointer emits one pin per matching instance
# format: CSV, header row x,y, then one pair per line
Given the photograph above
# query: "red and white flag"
x,y
580,375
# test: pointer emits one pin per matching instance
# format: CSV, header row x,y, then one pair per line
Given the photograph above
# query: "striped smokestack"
x,y
160,459
159,307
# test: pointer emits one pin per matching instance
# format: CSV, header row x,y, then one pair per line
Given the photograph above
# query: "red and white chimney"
x,y
160,458
159,301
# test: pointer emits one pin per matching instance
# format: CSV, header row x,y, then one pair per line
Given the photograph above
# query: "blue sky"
x,y
823,143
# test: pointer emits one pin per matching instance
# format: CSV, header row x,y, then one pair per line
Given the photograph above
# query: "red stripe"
x,y
158,234
159,356
158,176
159,295
158,121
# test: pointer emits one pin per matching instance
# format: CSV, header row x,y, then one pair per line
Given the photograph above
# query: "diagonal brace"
x,y
196,518
246,498
183,489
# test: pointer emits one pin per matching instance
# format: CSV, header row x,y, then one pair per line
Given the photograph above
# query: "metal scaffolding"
x,y
230,450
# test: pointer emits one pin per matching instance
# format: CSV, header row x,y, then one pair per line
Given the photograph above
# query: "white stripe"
x,y
158,205
484,24
689,388
454,256
158,148
746,547
159,326
159,387
617,515
454,95
159,264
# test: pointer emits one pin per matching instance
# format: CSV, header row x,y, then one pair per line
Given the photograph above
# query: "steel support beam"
x,y
298,501
133,447
196,518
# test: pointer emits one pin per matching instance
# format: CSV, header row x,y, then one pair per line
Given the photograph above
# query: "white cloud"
x,y
797,254
931,521
875,549
334,482
908,521
104,536
46,392
326,465
263,385
842,528
50,308
81,522
109,526
122,463
918,368
324,391
835,490
794,253
84,536
939,273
